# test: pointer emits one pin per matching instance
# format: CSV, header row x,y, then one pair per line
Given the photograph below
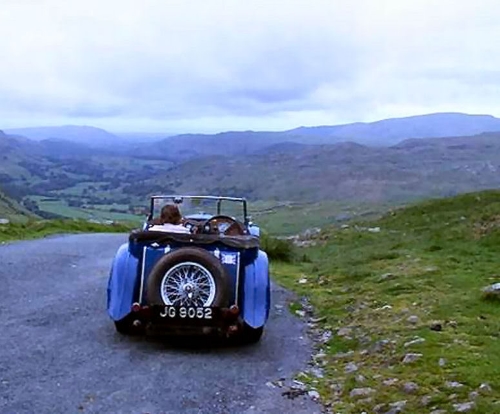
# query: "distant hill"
x,y
386,132
10,209
392,131
413,169
375,134
88,135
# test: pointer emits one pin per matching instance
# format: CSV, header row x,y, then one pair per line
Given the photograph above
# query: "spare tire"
x,y
189,276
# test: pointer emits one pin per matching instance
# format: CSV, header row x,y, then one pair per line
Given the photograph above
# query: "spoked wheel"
x,y
188,284
189,276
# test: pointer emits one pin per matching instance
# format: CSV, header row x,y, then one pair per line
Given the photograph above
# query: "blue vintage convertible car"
x,y
213,279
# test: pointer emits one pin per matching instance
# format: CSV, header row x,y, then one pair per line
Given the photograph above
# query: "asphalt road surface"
x,y
59,352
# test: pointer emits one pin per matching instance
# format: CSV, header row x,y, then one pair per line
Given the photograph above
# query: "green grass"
x,y
289,218
430,260
33,229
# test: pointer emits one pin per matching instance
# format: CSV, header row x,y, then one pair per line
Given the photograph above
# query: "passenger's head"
x,y
170,214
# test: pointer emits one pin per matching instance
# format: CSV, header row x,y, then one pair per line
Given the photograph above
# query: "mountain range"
x,y
380,133
313,164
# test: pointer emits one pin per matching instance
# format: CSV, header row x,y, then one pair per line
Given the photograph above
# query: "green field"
x,y
61,208
426,267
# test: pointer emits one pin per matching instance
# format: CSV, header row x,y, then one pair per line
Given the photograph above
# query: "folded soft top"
x,y
160,237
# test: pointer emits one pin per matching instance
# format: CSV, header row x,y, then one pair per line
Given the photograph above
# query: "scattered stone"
x,y
438,412
325,336
413,319
425,400
454,384
303,281
344,332
442,362
410,387
317,372
361,392
386,276
379,345
318,320
4,221
397,407
414,342
452,397
463,407
492,290
389,382
374,229
350,367
313,394
485,388
473,395
360,378
319,355
279,307
341,355
300,313
436,326
299,385
270,384
379,408
452,324
336,387
430,269
409,358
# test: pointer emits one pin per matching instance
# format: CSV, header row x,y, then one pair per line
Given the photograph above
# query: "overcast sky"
x,y
210,65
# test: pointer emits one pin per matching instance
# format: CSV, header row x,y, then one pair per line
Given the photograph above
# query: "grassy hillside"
x,y
33,229
411,289
10,209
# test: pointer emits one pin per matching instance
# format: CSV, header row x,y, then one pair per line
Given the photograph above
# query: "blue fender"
x,y
257,292
122,283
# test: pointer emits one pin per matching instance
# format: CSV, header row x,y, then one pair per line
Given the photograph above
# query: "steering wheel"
x,y
225,225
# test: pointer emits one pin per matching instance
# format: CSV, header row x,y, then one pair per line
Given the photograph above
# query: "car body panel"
x,y
122,283
256,292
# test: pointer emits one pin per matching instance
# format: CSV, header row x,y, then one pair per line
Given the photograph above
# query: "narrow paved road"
x,y
59,352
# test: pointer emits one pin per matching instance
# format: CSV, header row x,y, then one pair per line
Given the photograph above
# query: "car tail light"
x,y
234,310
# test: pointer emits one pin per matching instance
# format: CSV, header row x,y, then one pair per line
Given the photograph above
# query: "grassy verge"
x,y
413,286
32,229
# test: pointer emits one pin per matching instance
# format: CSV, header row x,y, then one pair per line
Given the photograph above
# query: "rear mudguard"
x,y
122,283
257,292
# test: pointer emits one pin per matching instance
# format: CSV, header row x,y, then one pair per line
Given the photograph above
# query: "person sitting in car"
x,y
170,220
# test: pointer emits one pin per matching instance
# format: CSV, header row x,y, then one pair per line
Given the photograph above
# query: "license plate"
x,y
184,312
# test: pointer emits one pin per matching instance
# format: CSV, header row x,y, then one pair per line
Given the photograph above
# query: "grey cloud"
x,y
281,64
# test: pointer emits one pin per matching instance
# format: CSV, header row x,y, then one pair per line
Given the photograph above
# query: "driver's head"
x,y
170,214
